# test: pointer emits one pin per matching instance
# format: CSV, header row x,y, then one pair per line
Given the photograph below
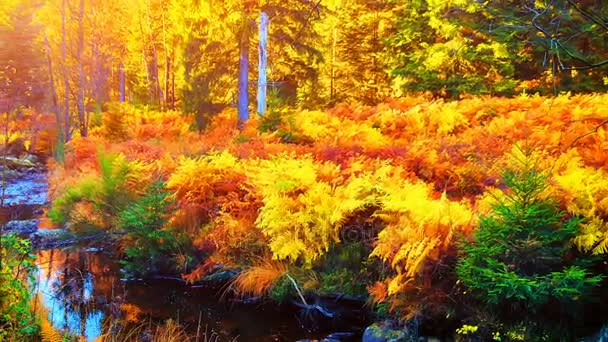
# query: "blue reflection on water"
x,y
69,303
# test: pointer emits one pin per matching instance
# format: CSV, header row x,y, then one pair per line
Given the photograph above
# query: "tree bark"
x,y
121,86
167,63
243,102
66,81
81,110
332,88
262,62
56,110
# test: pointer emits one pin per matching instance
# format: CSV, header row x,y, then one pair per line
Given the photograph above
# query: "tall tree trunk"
x,y
98,77
158,89
334,43
59,152
145,59
158,92
262,61
167,62
167,79
81,110
66,80
121,85
243,102
173,87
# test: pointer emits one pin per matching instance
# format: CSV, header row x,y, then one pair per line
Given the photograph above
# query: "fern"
x,y
111,190
587,191
416,225
302,215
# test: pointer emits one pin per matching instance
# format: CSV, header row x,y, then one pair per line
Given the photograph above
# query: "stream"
x,y
81,290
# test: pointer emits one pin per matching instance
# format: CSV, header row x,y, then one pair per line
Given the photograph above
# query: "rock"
x,y
221,277
23,227
600,336
51,238
386,332
16,164
32,158
335,337
341,335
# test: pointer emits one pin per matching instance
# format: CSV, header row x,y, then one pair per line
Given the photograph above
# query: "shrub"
x,y
95,200
149,246
17,320
519,259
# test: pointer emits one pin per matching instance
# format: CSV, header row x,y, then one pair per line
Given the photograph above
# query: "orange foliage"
x,y
418,165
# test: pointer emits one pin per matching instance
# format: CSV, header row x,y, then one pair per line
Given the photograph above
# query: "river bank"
x,y
81,288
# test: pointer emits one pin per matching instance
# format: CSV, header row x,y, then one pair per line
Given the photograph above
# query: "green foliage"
x,y
271,121
342,280
149,246
519,259
17,267
105,194
449,55
282,290
347,269
63,205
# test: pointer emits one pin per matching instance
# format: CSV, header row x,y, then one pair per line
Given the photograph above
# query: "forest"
x,y
303,170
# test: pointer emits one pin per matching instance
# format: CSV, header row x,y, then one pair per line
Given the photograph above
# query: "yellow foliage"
x,y
586,191
194,177
319,126
416,225
302,214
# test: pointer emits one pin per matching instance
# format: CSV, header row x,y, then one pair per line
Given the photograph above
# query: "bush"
x,y
149,246
17,319
520,258
95,200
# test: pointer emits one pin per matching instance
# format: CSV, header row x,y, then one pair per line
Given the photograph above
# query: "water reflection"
x,y
81,291
71,288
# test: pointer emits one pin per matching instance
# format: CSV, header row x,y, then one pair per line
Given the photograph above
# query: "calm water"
x,y
81,290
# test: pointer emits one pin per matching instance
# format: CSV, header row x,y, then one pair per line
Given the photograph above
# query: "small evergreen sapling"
x,y
520,256
149,245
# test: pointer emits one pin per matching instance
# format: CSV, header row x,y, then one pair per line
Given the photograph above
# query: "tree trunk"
x,y
243,102
145,59
59,152
167,73
81,110
167,63
121,86
66,80
332,88
173,87
158,92
262,62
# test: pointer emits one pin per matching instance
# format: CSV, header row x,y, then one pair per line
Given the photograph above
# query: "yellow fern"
x,y
416,225
302,213
586,192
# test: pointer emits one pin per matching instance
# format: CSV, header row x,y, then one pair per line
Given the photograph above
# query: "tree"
x,y
518,261
82,117
21,65
359,59
438,47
